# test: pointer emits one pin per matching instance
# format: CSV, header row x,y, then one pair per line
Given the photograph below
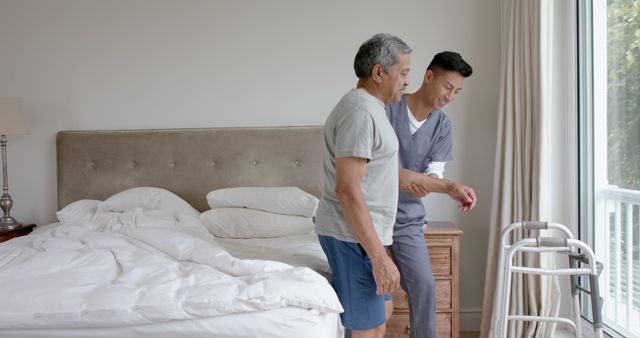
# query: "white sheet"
x,y
278,323
297,250
141,267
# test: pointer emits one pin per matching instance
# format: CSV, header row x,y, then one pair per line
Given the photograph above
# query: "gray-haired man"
x,y
357,211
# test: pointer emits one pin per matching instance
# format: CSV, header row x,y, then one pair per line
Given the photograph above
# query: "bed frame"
x,y
188,162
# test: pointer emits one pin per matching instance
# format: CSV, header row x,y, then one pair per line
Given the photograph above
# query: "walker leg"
x,y
506,286
575,294
596,304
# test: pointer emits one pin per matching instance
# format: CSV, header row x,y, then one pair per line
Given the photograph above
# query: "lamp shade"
x,y
12,118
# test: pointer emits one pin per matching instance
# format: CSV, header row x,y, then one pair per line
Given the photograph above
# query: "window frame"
x,y
591,47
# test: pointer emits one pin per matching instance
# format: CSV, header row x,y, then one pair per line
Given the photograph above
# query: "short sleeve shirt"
x,y
358,127
430,143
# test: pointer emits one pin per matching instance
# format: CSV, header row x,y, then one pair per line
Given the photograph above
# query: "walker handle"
x,y
552,242
535,225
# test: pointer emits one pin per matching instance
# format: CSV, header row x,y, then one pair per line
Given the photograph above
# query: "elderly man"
x,y
357,211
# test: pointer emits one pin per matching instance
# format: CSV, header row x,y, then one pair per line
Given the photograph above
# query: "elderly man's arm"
x,y
349,173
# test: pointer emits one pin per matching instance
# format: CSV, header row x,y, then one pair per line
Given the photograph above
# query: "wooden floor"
x,y
470,334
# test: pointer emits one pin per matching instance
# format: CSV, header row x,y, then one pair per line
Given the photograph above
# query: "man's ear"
x,y
428,75
376,73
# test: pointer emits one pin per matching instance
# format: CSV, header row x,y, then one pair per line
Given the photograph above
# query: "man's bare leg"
x,y
379,331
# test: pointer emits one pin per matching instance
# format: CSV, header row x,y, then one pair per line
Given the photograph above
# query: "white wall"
x,y
89,64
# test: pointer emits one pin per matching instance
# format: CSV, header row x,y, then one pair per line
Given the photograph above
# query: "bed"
x,y
128,198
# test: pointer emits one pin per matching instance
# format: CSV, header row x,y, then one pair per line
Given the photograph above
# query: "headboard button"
x,y
172,165
92,164
255,162
297,162
132,164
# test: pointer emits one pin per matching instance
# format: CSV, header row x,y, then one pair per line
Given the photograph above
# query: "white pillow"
x,y
148,198
80,209
251,223
280,200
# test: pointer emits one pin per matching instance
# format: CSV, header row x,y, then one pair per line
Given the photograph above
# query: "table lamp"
x,y
12,122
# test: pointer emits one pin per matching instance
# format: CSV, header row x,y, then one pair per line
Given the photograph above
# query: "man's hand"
x,y
385,273
417,191
410,181
419,185
463,195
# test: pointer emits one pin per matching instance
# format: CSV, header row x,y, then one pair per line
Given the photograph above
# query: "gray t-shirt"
x,y
358,127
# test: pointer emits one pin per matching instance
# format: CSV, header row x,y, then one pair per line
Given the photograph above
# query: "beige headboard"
x,y
188,162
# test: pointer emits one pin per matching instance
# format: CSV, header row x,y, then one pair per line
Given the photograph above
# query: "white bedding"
x,y
278,323
142,267
296,250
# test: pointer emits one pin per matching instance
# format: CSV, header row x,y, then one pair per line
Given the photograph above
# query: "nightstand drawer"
x,y
443,297
443,325
398,327
443,294
400,301
440,260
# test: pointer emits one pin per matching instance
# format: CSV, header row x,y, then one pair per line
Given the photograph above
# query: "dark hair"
x,y
450,61
382,49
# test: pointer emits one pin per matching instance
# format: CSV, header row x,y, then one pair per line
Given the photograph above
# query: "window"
x,y
610,153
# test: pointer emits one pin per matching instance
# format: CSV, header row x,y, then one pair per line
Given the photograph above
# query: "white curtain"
x,y
521,178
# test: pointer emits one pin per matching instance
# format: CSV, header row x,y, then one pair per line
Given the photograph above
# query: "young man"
x,y
424,136
356,213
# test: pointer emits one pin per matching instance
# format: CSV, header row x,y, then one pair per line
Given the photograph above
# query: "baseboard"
x,y
470,319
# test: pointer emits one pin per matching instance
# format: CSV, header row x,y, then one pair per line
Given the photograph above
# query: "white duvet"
x,y
137,267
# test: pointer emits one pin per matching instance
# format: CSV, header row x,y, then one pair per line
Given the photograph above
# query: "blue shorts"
x,y
352,278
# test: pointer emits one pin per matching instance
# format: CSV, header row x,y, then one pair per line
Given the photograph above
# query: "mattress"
x,y
283,322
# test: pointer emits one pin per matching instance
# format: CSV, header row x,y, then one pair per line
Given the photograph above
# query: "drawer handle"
x,y
407,329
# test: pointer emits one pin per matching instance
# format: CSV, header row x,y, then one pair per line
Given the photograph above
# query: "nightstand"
x,y
6,235
443,240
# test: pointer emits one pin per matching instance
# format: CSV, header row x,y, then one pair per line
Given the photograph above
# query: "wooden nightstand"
x,y
21,231
443,240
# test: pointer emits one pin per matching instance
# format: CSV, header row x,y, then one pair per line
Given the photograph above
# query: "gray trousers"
x,y
411,256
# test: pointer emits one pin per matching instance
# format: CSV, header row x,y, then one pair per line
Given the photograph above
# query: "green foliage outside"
x,y
623,120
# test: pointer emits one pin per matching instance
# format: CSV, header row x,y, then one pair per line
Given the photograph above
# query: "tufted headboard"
x,y
188,162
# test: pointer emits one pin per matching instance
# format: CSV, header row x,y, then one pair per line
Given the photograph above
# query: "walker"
x,y
581,263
